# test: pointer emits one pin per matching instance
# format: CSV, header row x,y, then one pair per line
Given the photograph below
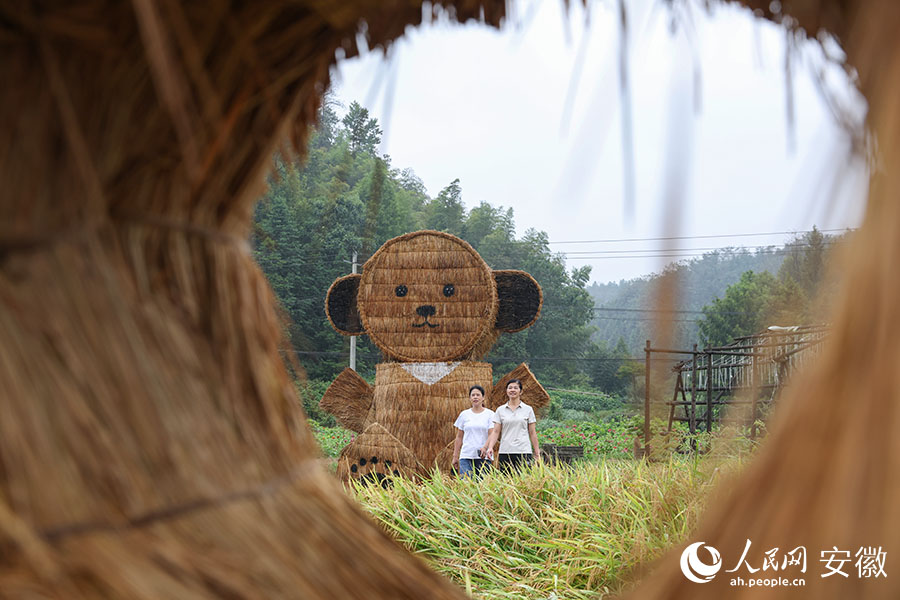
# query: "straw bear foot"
x,y
375,458
372,471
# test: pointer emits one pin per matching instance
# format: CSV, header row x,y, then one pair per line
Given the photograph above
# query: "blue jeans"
x,y
469,467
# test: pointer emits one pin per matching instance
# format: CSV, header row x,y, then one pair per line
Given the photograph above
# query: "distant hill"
x,y
699,281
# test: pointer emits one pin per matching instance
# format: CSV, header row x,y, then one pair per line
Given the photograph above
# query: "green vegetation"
x,y
699,281
549,532
795,296
612,438
331,439
311,392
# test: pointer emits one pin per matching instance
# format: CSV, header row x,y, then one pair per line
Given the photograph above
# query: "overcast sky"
x,y
531,117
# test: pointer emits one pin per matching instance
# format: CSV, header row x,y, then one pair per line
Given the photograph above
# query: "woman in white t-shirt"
x,y
473,428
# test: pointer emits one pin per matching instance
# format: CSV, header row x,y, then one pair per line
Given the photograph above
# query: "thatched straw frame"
x,y
151,442
133,145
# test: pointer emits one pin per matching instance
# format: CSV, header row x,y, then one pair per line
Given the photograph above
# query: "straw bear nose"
x,y
426,310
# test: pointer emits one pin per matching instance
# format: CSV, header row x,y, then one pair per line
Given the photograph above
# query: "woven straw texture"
x,y
427,296
349,399
422,415
151,443
533,393
376,457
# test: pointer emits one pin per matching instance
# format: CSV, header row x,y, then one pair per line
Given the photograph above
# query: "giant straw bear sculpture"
x,y
432,305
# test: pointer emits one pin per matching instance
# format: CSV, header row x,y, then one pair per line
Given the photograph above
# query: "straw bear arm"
x,y
533,393
349,399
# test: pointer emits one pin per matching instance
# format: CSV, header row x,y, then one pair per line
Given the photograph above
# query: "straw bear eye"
x,y
449,290
400,290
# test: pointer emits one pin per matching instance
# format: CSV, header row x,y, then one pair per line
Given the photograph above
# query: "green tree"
x,y
632,372
606,365
482,220
742,311
446,212
556,344
805,262
327,128
409,181
802,276
363,132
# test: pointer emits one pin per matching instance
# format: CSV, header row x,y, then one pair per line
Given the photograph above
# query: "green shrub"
x,y
331,439
585,402
310,392
613,438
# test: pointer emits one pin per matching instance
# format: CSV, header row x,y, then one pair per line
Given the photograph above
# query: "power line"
x,y
691,255
696,237
660,310
787,247
584,255
593,308
648,319
651,310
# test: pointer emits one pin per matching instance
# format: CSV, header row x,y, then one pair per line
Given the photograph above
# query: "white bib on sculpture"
x,y
431,372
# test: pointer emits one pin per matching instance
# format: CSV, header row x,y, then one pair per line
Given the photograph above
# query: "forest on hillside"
x,y
344,200
795,273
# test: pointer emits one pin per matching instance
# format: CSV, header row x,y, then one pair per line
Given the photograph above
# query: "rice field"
x,y
553,532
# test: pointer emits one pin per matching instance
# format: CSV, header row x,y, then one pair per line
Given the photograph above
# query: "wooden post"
x,y
679,387
693,416
646,397
709,392
753,395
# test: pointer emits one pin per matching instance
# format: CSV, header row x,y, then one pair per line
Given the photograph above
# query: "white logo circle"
x,y
695,569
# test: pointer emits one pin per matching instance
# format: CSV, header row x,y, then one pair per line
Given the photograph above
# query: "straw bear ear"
x,y
340,305
520,300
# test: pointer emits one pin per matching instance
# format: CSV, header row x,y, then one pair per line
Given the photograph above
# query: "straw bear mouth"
x,y
426,322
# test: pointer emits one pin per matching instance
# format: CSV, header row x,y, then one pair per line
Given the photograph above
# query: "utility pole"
x,y
353,337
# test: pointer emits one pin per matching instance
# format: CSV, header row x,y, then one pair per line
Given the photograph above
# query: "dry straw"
x,y
349,399
533,393
151,444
